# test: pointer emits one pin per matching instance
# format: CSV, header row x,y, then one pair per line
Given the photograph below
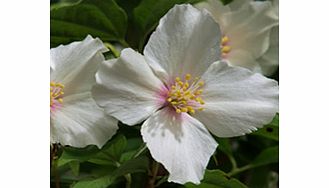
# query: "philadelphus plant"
x,y
182,91
75,119
249,32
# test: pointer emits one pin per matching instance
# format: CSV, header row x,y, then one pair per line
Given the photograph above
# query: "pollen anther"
x,y
225,48
56,95
185,94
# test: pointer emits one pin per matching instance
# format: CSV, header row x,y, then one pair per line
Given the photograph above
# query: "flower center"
x,y
225,48
185,94
56,95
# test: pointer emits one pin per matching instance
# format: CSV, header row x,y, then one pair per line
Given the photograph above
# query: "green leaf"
x,y
77,154
75,167
268,156
99,18
217,179
270,131
132,166
225,2
140,164
118,145
110,154
148,13
224,145
102,182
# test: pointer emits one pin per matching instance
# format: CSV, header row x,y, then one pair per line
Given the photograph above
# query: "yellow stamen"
x,y
56,95
185,97
226,49
224,40
187,76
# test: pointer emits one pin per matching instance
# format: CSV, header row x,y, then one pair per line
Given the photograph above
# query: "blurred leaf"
x,y
263,177
75,167
147,15
268,156
110,154
140,164
102,182
224,145
118,145
133,145
225,2
217,179
77,154
99,18
271,130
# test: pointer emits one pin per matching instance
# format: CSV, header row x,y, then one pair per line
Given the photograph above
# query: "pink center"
x,y
56,95
183,95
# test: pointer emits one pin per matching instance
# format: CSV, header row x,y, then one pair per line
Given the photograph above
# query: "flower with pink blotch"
x,y
182,91
75,118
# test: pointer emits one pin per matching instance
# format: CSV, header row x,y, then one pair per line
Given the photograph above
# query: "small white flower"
x,y
75,119
181,89
249,32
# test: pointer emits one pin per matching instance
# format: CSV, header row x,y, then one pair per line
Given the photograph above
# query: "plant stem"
x,y
215,159
239,170
140,150
124,43
128,180
53,163
233,162
162,180
114,51
155,168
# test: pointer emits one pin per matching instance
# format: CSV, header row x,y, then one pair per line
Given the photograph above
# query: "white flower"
x,y
249,32
181,89
270,59
75,119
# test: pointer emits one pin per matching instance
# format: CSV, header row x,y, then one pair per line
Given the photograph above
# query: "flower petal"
x,y
244,59
180,142
74,65
237,4
80,122
216,9
237,101
270,60
250,27
127,88
179,45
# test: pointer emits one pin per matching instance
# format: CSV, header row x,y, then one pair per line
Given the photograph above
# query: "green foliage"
x,y
267,156
217,179
132,166
99,18
271,130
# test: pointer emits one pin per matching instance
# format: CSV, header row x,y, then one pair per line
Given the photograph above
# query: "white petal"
x,y
237,101
180,142
75,64
237,4
270,60
274,12
80,122
249,28
216,9
127,88
186,41
238,57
